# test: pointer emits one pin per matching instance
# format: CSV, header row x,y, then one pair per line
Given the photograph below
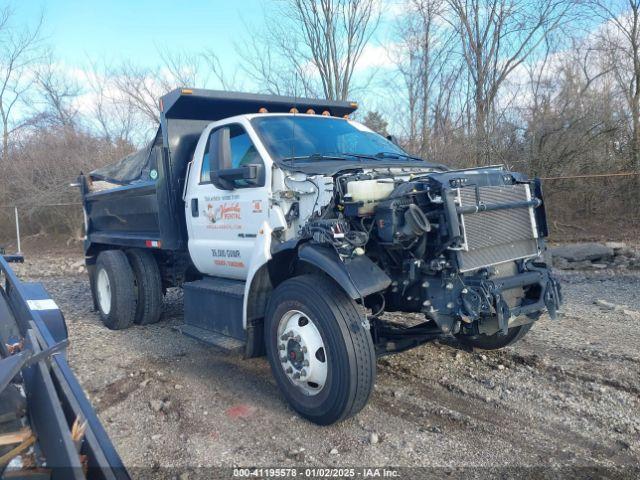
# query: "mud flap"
x,y
552,298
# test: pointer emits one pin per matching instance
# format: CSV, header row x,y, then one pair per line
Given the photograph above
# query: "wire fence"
x,y
579,207
20,223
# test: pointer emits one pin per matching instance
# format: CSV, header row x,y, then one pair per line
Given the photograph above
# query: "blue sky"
x,y
133,30
107,33
90,37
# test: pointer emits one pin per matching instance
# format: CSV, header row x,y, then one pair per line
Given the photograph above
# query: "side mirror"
x,y
220,157
392,139
251,175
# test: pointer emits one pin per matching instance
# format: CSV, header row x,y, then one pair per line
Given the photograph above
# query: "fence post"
x,y
17,230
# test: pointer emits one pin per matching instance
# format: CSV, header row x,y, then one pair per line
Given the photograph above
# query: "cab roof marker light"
x,y
186,91
161,105
326,113
263,110
311,111
294,110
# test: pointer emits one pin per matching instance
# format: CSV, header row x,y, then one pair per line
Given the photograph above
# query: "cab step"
x,y
213,312
210,337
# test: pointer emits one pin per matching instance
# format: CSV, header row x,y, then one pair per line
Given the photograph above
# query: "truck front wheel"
x,y
114,289
321,353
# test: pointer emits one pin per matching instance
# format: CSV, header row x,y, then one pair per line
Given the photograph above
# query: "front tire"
x,y
320,352
114,287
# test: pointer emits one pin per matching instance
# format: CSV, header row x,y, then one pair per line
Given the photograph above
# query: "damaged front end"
x,y
486,308
464,248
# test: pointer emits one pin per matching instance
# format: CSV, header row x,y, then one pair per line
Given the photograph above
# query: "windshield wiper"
x,y
384,156
363,156
320,157
360,156
397,155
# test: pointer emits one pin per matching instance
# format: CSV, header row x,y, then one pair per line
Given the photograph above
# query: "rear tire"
x,y
114,287
496,341
316,319
148,286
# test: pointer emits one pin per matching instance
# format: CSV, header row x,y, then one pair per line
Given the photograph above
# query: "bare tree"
x,y
19,49
183,69
620,38
570,117
407,55
497,36
422,55
214,67
111,115
46,159
58,93
141,87
313,41
276,66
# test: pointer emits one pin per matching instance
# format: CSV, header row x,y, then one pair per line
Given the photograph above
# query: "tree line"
x,y
549,87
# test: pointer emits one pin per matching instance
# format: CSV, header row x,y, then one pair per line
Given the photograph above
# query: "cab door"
x,y
224,214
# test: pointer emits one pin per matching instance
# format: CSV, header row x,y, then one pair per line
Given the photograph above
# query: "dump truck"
x,y
293,229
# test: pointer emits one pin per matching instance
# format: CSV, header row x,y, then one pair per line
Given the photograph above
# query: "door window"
x,y
243,152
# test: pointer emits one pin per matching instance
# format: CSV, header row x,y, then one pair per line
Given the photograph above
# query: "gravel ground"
x,y
566,395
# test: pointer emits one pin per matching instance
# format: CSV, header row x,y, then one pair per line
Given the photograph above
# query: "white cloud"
x,y
375,56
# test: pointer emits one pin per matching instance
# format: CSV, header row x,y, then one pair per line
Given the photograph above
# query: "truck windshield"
x,y
311,138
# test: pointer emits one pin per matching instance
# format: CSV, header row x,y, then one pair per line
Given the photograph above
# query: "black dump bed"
x,y
144,207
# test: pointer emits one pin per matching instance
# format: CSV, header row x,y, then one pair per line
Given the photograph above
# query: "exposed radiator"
x,y
496,236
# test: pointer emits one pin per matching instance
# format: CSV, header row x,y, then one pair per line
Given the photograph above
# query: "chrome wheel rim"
x,y
302,354
103,289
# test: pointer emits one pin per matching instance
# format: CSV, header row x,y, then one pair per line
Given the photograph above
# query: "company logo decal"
x,y
223,211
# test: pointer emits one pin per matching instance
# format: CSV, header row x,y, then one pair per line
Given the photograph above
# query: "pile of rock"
x,y
595,256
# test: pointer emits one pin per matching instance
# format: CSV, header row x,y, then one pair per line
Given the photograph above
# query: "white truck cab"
x,y
230,225
223,224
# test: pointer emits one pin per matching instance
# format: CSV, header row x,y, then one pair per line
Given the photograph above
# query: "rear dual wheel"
x,y
127,288
148,286
321,354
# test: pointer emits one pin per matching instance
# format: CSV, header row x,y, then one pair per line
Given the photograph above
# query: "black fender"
x,y
358,276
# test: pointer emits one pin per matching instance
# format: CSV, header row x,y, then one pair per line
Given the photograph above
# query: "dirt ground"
x,y
567,395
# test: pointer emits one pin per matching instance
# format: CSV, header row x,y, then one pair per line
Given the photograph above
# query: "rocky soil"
x,y
567,395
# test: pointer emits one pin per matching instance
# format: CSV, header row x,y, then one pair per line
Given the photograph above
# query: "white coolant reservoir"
x,y
369,192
